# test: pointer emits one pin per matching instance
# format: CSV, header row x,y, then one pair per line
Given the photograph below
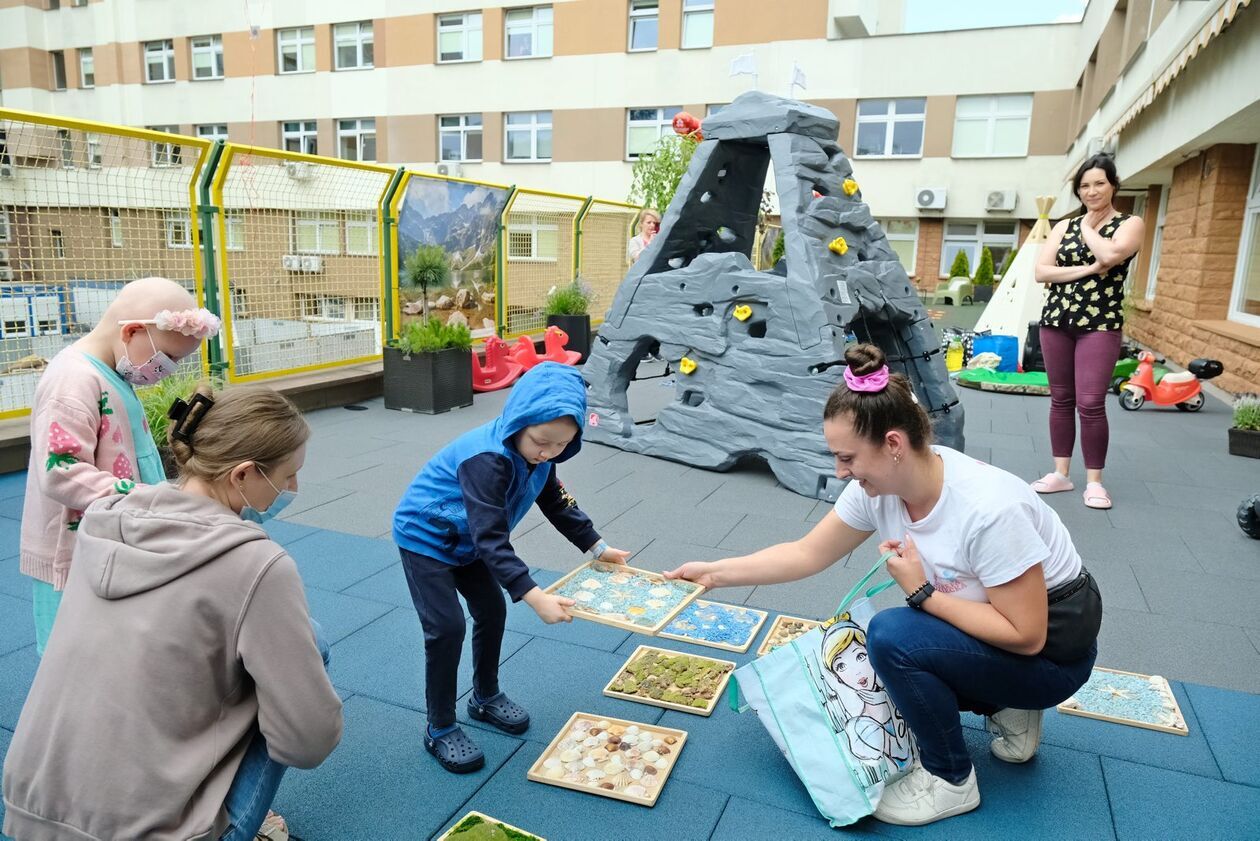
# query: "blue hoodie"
x,y
463,505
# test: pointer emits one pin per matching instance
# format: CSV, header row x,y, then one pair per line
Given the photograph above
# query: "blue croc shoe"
x,y
500,711
455,751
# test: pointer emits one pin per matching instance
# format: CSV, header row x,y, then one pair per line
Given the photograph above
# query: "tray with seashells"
x,y
611,758
625,597
783,630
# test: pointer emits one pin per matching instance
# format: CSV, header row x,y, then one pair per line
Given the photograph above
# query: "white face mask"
x,y
282,500
158,367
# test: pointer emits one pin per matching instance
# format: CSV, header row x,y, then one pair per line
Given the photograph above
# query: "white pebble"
x,y
553,762
651,756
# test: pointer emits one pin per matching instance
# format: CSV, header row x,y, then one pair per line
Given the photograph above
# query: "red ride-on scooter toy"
x,y
1180,389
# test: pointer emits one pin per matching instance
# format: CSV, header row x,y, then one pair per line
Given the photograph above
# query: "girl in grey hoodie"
x,y
182,675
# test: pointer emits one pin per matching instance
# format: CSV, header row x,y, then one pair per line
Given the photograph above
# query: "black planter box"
x,y
579,329
983,294
1244,442
431,383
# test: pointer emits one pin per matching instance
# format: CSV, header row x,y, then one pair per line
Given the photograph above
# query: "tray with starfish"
x,y
625,597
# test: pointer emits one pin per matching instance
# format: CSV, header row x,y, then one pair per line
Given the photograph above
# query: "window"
x,y
970,237
66,142
320,307
207,57
79,4
645,127
297,49
115,228
159,62
353,46
903,239
178,231
528,32
1157,241
360,233
58,70
365,309
234,222
87,68
459,37
992,126
889,128
58,243
166,154
4,225
644,24
316,232
459,137
528,136
356,140
1245,306
528,239
299,136
6,161
217,131
697,24
94,151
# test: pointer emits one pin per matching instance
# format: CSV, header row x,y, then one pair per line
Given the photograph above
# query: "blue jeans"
x,y
258,778
932,670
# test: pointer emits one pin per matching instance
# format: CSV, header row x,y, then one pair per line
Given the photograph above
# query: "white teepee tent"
x,y
1019,297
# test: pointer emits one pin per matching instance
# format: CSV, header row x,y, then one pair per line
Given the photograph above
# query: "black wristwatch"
x,y
919,596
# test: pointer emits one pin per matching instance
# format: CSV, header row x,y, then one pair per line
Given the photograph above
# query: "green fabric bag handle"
x,y
865,580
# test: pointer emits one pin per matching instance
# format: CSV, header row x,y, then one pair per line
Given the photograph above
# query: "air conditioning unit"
x,y
1105,145
929,198
298,170
452,170
291,262
312,264
1000,200
6,170
6,273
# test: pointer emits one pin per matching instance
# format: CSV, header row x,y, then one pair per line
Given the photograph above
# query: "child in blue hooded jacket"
x,y
453,530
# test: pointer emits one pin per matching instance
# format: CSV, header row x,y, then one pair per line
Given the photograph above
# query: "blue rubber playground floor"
x,y
1175,573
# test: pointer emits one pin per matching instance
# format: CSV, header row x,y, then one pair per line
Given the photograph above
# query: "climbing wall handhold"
x,y
743,312
849,186
687,365
838,246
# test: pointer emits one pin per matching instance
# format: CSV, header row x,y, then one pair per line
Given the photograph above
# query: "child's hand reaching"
x,y
614,556
550,609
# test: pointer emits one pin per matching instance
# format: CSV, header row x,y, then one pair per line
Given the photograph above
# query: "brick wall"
x,y
1196,269
927,262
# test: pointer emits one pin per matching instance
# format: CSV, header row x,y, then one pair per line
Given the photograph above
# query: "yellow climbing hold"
x,y
850,186
686,365
743,312
839,246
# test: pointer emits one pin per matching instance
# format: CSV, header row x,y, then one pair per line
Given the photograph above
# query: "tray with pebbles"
x,y
669,679
625,597
478,827
610,757
726,626
783,630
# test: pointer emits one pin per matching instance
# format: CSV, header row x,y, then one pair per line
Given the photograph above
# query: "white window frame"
x,y
177,223
87,68
991,117
116,236
307,130
65,144
693,10
889,119
327,228
163,56
535,27
322,307
4,225
643,11
361,221
535,126
58,238
361,38
1157,242
975,243
530,225
470,32
1250,233
364,309
913,239
663,122
463,129
211,47
211,132
295,39
166,154
360,129
94,155
234,224
59,79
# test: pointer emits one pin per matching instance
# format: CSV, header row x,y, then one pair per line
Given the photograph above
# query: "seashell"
x,y
624,746
606,607
595,775
656,743
664,751
612,769
554,773
599,754
632,729
584,596
573,778
614,739
583,725
636,773
590,741
634,753
651,782
659,591
607,786
636,790
650,770
616,729
552,762
591,584
651,756
662,764
671,740
574,767
655,603
645,740
570,755
595,731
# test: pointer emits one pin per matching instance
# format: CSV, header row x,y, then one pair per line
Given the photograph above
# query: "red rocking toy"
x,y
554,340
500,369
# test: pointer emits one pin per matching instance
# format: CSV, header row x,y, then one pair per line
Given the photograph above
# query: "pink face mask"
x,y
158,367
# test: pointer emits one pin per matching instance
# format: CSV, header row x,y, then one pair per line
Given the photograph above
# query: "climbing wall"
x,y
758,353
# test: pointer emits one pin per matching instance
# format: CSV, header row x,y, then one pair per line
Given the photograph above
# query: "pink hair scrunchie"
x,y
870,383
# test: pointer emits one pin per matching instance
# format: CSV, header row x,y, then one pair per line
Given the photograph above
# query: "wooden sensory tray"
x,y
705,620
719,686
625,597
487,833
591,778
783,630
1145,701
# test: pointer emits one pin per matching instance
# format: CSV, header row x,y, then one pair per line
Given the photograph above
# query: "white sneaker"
x,y
922,797
1016,734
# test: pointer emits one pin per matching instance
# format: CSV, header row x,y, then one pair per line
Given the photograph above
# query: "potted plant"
x,y
961,267
1244,435
567,307
983,281
428,368
428,267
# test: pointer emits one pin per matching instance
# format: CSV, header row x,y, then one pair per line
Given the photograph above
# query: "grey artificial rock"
x,y
759,385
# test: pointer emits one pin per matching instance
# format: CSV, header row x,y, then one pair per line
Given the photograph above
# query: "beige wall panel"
x,y
757,22
382,138
130,63
183,58
587,27
846,112
594,134
1048,129
105,57
406,40
670,25
326,137
492,136
323,47
938,127
492,31
11,4
18,67
244,57
411,138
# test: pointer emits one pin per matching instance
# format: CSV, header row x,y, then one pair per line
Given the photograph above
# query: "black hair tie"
x,y
187,416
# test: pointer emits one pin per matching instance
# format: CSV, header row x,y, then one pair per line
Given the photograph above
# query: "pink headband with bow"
x,y
872,382
198,323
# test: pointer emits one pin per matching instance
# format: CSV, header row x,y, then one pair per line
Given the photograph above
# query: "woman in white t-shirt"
x,y
649,226
975,550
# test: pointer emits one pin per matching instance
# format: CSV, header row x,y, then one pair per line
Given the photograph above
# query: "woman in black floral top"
x,y
1085,263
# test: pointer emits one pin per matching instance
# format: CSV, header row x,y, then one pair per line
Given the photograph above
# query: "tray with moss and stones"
x,y
684,682
478,827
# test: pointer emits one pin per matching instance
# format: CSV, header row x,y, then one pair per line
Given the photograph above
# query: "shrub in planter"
x,y
961,267
156,401
429,368
984,276
568,307
1244,435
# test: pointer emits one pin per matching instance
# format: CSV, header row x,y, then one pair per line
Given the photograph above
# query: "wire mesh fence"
x,y
85,208
538,253
300,261
605,230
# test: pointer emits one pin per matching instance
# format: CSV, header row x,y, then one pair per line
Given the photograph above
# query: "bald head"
x,y
145,298
120,333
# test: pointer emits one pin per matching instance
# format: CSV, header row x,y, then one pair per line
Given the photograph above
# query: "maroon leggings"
x,y
1079,365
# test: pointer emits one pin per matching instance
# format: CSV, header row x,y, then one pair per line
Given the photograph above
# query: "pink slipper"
x,y
1096,496
1053,483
